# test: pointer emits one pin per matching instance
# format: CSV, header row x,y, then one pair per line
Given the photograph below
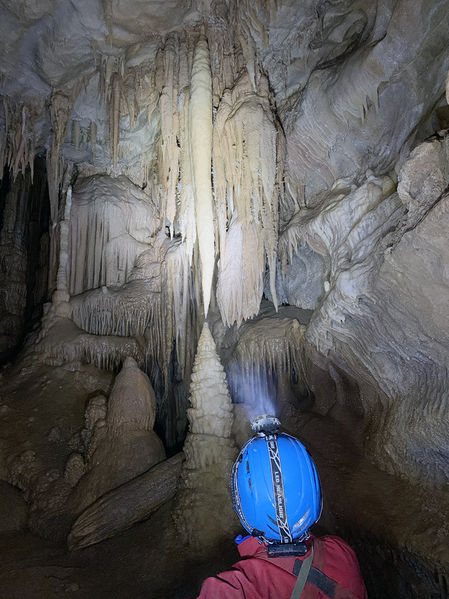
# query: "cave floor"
x,y
145,561
399,529
149,561
380,515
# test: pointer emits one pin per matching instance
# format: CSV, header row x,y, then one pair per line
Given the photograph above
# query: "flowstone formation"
x,y
278,169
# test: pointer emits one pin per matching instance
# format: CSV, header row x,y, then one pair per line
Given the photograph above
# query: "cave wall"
x,y
24,251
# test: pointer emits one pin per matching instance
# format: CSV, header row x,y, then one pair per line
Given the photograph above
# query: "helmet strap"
x,y
278,489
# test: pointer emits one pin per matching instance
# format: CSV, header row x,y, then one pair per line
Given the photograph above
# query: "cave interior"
x,y
211,211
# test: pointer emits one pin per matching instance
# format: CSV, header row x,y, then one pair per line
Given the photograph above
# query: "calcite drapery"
x,y
248,167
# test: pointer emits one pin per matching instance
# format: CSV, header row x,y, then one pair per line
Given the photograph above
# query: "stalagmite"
x,y
200,126
213,146
126,445
204,511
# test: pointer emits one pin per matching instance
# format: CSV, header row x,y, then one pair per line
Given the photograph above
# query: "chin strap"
x,y
302,576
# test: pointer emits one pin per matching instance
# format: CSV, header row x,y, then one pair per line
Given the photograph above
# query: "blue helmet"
x,y
275,487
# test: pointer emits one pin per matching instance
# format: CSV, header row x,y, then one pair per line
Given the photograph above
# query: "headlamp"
x,y
266,425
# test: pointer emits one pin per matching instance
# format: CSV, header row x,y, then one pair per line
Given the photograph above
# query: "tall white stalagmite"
x,y
204,512
200,125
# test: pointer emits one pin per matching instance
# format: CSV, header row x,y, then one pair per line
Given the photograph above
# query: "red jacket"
x,y
335,573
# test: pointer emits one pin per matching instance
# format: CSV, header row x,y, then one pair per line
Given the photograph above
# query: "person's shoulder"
x,y
332,541
339,562
337,551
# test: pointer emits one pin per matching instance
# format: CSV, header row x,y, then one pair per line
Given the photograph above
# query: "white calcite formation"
x,y
200,138
204,510
111,223
246,134
300,277
379,270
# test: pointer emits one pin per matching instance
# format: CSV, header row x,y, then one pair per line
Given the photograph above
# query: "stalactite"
x,y
242,259
180,296
64,342
157,300
168,106
269,351
17,139
200,132
124,312
60,109
272,344
186,219
249,19
248,167
93,138
226,58
114,116
111,75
